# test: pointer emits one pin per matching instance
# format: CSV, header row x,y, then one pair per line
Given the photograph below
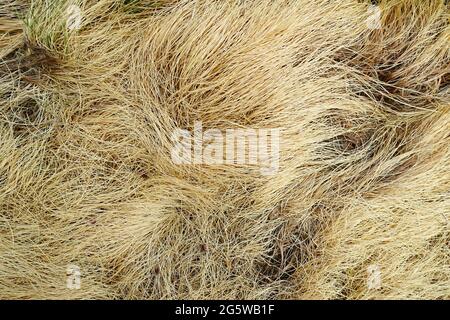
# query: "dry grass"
x,y
86,177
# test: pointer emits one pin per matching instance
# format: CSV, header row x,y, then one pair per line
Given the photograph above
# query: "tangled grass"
x,y
86,176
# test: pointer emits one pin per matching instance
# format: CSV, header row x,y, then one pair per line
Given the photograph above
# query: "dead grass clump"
x,y
86,175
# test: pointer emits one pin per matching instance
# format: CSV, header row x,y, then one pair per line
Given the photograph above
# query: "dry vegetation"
x,y
86,176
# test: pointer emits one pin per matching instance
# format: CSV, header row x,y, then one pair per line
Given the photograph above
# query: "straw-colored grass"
x,y
86,175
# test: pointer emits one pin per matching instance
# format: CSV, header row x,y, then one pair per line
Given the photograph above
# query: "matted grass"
x,y
87,179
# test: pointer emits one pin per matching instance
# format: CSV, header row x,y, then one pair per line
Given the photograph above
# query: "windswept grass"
x,y
86,175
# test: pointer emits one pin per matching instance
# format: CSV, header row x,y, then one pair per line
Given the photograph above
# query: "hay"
x,y
87,179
